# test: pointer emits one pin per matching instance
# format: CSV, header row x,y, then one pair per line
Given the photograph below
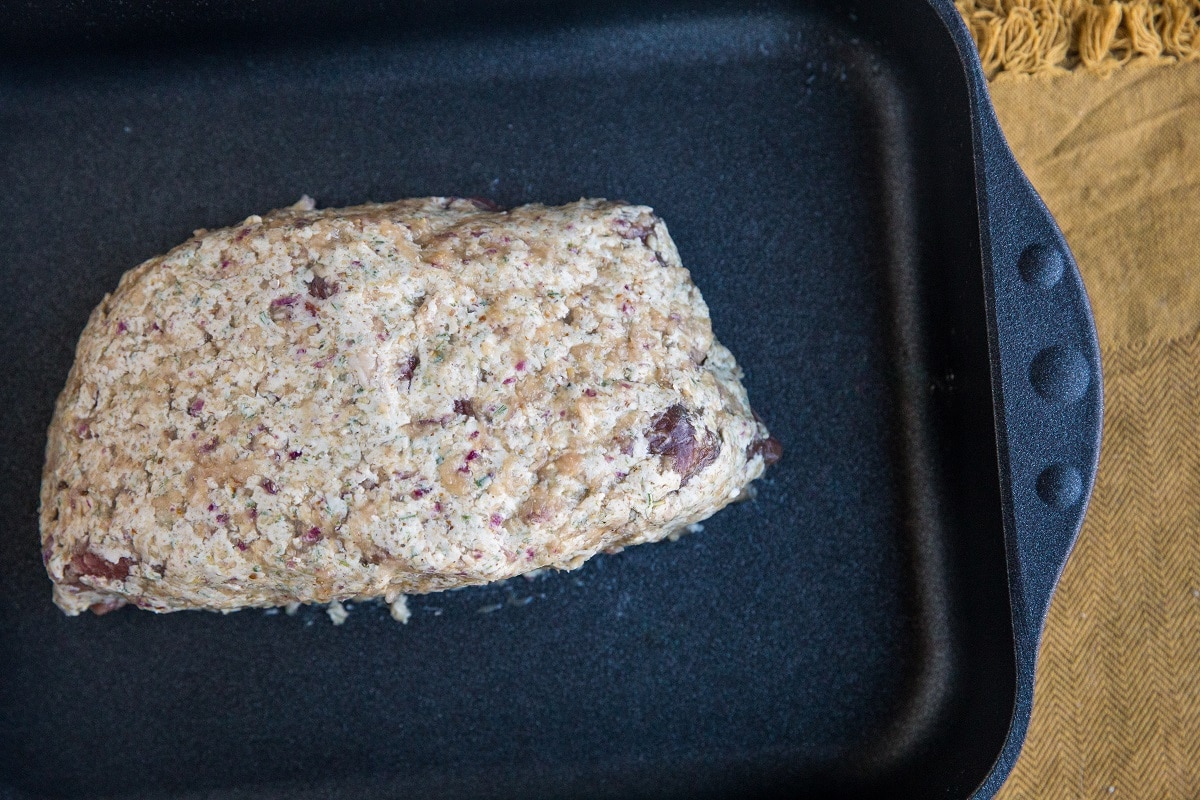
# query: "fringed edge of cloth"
x,y
1046,37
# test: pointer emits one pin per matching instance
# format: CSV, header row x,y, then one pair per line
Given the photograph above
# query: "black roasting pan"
x,y
910,321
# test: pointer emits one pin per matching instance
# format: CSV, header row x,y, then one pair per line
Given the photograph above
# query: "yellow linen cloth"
x,y
1100,102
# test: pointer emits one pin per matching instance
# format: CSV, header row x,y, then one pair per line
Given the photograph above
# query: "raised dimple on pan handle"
x,y
1046,376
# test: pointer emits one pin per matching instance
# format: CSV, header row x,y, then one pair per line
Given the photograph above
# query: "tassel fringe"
x,y
1040,37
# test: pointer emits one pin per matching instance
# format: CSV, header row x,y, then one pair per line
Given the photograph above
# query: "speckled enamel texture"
x,y
398,398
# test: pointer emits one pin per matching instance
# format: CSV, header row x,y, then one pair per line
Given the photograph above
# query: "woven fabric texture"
x,y
1101,105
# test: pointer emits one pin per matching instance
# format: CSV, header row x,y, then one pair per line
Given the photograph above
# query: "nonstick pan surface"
x,y
910,323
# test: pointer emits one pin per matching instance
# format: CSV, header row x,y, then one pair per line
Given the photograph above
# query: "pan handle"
x,y
1046,385
1046,375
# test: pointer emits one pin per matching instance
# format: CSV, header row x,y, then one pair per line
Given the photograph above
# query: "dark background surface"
x,y
845,634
